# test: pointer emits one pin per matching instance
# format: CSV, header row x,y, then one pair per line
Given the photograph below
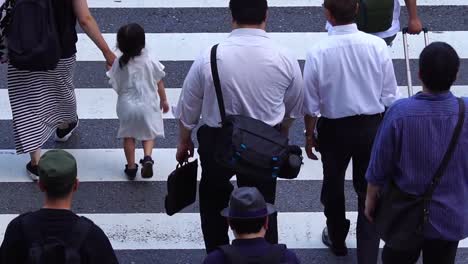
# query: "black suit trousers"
x,y
340,141
215,190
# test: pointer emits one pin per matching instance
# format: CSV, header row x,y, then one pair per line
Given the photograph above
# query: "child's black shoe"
x,y
147,169
131,173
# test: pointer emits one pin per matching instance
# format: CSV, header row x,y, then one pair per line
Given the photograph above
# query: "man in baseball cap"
x,y
53,230
248,215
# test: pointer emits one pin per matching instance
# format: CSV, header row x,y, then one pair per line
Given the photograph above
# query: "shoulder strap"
x,y
217,82
30,228
449,153
275,255
76,238
232,255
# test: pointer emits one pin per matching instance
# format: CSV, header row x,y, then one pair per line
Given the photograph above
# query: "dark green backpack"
x,y
375,15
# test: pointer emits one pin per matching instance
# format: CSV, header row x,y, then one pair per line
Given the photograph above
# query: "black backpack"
x,y
273,256
47,250
249,146
33,39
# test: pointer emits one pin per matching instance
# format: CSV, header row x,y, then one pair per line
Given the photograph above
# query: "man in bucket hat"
x,y
45,235
248,215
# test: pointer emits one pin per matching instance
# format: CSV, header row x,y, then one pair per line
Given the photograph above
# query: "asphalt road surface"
x,y
132,213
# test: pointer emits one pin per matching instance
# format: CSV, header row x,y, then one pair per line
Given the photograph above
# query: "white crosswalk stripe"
x,y
300,226
224,3
99,103
187,46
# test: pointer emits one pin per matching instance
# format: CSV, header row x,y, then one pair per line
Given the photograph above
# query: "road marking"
x,y
225,3
100,103
182,231
106,165
187,46
95,103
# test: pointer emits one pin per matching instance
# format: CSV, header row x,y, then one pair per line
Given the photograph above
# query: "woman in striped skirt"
x,y
43,103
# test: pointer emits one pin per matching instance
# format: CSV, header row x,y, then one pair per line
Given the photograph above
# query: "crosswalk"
x,y
132,213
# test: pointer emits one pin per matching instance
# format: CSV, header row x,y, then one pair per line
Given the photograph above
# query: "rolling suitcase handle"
x,y
407,60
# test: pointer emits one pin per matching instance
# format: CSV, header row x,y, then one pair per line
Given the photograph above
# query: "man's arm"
x,y
390,91
188,110
293,99
382,162
311,104
414,23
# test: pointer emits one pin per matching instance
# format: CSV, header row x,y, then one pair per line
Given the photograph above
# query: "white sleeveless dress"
x,y
138,107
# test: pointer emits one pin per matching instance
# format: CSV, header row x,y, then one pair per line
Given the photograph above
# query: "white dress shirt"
x,y
348,73
258,79
392,31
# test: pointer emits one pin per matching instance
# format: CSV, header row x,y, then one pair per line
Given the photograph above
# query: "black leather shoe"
x,y
338,250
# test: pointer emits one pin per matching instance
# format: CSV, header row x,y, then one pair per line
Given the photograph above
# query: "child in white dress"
x,y
137,79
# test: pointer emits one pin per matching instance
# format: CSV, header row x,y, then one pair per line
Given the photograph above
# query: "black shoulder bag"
x,y
249,146
401,217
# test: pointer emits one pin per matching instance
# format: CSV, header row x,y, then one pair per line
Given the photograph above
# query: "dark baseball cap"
x,y
247,203
57,168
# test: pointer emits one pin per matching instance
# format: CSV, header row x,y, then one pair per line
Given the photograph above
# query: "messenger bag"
x,y
248,146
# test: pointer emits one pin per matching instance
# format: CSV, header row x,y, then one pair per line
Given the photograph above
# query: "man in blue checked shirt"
x,y
409,147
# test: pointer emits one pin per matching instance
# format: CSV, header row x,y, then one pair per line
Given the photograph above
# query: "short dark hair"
x,y
58,191
130,41
344,11
438,66
247,226
248,12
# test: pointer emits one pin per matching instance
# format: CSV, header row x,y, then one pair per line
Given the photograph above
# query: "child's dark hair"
x,y
130,41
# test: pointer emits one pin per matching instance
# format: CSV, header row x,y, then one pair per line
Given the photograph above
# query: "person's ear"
x,y
41,186
267,222
357,8
75,185
329,17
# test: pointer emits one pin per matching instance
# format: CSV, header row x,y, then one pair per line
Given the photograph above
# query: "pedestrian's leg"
x,y
147,161
366,235
148,146
268,189
129,149
214,192
335,156
439,252
391,256
35,157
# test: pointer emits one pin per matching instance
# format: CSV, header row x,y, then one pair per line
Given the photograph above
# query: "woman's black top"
x,y
66,26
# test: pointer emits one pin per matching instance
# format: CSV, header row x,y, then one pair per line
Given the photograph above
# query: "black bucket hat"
x,y
247,203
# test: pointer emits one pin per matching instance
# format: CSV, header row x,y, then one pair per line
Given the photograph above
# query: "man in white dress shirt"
x,y
349,81
258,79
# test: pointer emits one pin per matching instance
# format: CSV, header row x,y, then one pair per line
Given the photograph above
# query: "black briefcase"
x,y
181,187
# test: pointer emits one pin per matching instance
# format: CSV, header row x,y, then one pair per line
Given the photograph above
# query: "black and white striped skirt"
x,y
40,102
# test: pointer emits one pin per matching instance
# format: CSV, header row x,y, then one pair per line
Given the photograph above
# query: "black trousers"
x,y
215,190
341,140
433,251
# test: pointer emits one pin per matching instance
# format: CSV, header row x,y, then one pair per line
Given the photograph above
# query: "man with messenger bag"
x,y
248,91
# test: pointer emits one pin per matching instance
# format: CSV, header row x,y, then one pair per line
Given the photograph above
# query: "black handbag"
x,y
249,146
401,217
181,187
